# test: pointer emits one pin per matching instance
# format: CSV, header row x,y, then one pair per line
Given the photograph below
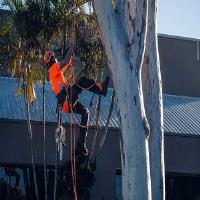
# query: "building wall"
x,y
180,68
15,146
182,154
15,149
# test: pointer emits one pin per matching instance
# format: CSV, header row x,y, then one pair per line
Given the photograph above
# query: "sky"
x,y
179,17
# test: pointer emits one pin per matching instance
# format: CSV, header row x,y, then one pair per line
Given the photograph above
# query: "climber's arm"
x,y
67,61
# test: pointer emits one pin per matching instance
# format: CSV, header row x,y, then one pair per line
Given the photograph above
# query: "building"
x,y
180,68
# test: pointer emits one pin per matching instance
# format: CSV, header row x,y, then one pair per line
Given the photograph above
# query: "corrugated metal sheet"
x,y
13,107
181,113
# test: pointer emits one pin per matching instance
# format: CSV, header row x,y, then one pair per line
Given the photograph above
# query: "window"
x,y
118,185
182,187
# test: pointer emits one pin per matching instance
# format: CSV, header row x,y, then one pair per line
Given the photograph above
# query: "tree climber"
x,y
71,89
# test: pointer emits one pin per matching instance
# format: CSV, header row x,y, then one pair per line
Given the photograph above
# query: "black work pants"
x,y
77,107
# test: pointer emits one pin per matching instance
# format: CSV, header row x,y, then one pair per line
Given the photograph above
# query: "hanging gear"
x,y
60,135
60,138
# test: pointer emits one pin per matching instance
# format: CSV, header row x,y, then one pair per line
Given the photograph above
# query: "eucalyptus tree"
x,y
124,27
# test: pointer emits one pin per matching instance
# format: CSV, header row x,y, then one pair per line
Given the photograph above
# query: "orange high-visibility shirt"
x,y
57,78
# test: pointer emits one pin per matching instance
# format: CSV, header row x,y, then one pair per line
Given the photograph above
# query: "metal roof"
x,y
13,106
181,113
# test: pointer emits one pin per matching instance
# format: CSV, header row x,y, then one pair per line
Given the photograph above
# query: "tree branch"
x,y
112,35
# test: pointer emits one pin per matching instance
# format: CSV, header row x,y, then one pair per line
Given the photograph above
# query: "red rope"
x,y
72,80
84,88
75,160
73,163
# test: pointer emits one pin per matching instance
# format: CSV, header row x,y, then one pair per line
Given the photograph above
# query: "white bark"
x,y
153,104
126,10
123,33
125,57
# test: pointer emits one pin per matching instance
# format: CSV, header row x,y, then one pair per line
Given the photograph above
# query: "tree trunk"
x,y
152,87
123,34
125,49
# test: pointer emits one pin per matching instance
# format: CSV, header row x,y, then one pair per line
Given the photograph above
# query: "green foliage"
x,y
36,25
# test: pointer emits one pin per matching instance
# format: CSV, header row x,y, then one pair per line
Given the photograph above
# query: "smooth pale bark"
x,y
152,88
125,49
126,11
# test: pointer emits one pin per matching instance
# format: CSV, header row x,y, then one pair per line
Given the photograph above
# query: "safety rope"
x,y
98,105
73,145
72,140
44,136
72,80
88,162
55,174
84,88
73,161
106,127
30,134
97,114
